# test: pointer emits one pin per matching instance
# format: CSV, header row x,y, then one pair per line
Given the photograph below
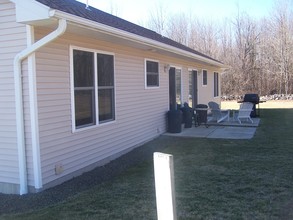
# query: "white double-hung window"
x,y
93,92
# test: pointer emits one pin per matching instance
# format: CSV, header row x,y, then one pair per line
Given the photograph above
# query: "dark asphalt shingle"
x,y
76,8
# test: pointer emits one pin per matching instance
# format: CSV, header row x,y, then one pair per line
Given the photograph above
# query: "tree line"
x,y
258,51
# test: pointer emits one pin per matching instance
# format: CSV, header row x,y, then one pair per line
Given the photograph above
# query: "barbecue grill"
x,y
254,99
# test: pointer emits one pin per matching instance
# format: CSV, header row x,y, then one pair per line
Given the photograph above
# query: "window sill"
x,y
77,130
152,87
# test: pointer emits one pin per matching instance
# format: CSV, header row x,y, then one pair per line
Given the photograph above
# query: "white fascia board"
x,y
30,10
133,37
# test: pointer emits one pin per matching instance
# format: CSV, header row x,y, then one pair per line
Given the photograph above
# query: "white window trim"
x,y
145,74
73,126
204,85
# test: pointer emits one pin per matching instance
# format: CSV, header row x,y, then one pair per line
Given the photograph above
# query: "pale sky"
x,y
137,11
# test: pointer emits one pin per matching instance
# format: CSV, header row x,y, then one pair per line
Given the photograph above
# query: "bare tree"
x,y
282,30
204,37
259,53
178,28
226,55
246,50
158,18
113,9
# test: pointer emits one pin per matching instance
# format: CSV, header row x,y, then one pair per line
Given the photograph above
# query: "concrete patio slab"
x,y
200,131
233,133
233,122
224,130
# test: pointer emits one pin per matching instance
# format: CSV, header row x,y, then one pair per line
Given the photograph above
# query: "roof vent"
x,y
87,5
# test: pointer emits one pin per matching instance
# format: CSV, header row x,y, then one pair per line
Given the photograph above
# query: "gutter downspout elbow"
x,y
19,100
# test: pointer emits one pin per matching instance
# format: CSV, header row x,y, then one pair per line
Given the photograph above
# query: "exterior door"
x,y
172,89
193,90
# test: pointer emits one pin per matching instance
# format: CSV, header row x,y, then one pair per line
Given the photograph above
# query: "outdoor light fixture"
x,y
166,67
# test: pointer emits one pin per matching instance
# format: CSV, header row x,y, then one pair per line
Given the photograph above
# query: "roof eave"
x,y
133,37
30,10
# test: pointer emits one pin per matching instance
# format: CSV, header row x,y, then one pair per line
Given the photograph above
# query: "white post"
x,y
164,182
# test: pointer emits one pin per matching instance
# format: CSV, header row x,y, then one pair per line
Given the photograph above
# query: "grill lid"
x,y
254,98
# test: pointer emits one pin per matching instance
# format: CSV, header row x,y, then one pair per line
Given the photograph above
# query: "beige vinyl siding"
x,y
140,112
12,39
206,93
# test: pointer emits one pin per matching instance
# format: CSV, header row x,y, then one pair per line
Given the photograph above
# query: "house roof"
x,y
78,9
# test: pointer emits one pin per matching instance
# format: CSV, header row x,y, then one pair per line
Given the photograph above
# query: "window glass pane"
x,y
83,65
84,107
105,70
204,77
152,79
190,86
152,71
106,104
152,67
178,86
216,84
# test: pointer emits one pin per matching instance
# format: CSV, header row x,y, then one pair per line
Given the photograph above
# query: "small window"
x,y
152,73
204,77
216,84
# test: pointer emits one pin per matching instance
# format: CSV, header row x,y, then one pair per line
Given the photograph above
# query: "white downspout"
x,y
33,103
19,99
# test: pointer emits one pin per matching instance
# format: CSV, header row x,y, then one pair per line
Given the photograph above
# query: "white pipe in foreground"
x,y
19,100
165,189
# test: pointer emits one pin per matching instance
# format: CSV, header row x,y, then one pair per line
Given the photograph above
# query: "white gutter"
x,y
130,36
19,99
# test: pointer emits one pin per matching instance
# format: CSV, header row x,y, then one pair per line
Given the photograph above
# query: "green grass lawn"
x,y
214,179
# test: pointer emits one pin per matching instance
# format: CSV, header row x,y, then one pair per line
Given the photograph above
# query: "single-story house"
x,y
80,87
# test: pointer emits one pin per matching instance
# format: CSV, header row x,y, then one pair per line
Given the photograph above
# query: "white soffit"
x,y
30,10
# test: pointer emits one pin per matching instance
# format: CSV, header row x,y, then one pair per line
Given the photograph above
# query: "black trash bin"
x,y
187,116
174,121
201,116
